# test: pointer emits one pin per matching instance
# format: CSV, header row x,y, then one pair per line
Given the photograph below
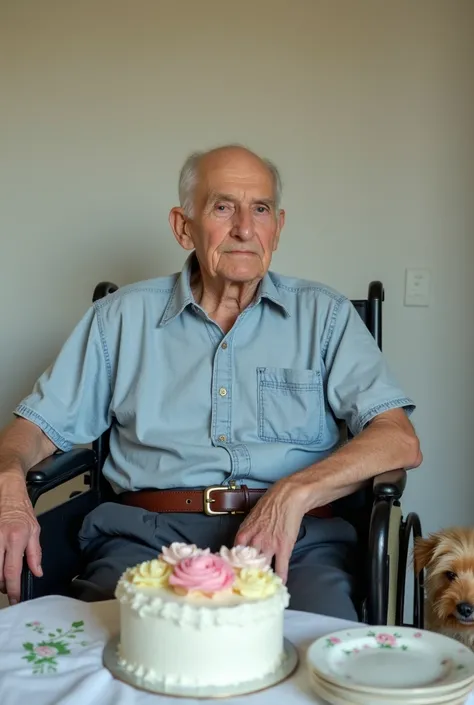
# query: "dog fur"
x,y
447,557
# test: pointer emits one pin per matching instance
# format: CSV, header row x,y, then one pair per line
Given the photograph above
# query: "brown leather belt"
x,y
213,501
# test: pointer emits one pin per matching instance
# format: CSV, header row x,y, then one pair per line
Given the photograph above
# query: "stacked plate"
x,y
390,666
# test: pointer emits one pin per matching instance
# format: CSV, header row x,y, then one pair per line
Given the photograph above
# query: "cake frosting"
x,y
194,618
244,557
207,575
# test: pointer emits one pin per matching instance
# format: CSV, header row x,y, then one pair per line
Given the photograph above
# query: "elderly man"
x,y
226,376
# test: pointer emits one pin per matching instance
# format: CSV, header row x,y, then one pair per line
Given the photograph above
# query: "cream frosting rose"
x,y
256,583
154,573
206,574
244,557
175,552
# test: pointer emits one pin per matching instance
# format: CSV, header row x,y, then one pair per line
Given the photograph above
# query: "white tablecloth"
x,y
51,654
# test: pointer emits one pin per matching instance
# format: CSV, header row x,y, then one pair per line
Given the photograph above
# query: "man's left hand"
x,y
273,525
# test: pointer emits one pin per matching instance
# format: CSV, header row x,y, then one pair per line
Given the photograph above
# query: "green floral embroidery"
x,y
44,655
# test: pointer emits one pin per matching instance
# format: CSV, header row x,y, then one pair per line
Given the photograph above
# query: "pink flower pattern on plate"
x,y
386,640
332,641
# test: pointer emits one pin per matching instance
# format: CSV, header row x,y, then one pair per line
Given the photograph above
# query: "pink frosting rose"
x,y
205,573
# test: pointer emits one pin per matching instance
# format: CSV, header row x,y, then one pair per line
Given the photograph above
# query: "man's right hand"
x,y
19,535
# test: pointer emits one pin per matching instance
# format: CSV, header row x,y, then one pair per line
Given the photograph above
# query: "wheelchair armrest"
x,y
103,289
58,469
390,484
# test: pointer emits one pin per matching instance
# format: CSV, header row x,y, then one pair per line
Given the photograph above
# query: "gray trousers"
x,y
114,537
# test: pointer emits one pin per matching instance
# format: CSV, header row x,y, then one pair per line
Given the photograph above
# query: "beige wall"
x,y
366,106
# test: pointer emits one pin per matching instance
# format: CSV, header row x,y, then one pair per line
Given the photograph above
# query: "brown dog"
x,y
448,560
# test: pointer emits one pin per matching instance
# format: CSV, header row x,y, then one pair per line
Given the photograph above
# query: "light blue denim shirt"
x,y
192,407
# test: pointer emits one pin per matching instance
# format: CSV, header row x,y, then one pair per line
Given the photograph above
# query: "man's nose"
x,y
243,226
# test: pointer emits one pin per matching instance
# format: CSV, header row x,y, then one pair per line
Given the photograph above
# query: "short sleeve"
x,y
360,384
71,399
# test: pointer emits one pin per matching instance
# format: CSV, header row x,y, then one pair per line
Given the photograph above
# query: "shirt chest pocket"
x,y
290,405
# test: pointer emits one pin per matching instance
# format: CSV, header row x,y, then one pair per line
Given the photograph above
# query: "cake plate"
x,y
285,670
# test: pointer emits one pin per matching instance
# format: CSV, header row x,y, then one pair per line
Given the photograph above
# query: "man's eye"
x,y
262,209
221,207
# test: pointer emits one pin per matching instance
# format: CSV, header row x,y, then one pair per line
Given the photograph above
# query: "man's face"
x,y
236,227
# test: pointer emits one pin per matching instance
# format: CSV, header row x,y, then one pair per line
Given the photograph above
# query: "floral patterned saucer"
x,y
390,660
342,696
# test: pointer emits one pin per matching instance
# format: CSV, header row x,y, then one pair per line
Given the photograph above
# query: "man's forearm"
x,y
22,445
388,443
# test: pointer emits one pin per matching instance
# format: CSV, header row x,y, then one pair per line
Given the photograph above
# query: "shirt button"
x,y
222,439
224,346
222,391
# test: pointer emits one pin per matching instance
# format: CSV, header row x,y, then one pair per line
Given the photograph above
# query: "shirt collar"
x,y
182,296
269,290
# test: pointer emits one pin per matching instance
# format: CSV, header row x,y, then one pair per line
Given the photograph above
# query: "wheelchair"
x,y
375,511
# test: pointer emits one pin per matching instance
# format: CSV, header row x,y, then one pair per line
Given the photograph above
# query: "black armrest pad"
x,y
61,467
390,484
104,289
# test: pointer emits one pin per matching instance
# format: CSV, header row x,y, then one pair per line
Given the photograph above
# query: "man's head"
x,y
229,213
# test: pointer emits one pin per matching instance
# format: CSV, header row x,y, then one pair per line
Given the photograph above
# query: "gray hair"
x,y
189,175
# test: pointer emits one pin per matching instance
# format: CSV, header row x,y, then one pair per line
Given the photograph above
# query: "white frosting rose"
x,y
245,557
175,552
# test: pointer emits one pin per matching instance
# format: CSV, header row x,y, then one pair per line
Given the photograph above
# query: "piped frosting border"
x,y
183,570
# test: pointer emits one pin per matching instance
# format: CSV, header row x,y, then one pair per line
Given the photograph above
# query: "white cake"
x,y
192,618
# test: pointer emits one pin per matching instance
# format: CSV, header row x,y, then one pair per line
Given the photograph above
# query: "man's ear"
x,y
423,551
281,222
180,226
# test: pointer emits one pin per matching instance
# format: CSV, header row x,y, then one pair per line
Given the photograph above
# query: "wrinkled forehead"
x,y
239,174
